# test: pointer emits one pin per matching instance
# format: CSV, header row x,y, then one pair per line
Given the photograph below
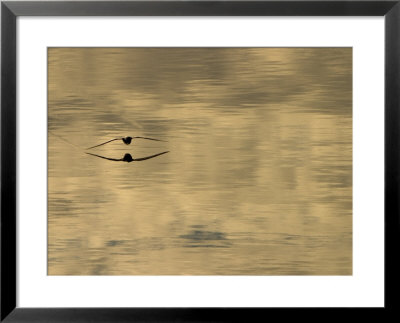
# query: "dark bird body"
x,y
128,157
126,140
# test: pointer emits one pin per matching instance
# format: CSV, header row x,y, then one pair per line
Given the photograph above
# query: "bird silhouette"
x,y
128,157
126,140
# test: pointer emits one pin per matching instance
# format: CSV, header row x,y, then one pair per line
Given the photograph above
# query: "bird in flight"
x,y
128,157
126,140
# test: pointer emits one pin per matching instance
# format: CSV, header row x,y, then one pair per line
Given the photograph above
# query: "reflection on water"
x,y
257,181
128,157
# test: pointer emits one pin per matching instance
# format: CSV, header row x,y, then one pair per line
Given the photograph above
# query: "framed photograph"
x,y
198,160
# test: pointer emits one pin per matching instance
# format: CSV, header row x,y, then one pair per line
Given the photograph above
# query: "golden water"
x,y
257,180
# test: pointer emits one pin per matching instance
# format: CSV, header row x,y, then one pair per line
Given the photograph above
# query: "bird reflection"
x,y
128,157
126,140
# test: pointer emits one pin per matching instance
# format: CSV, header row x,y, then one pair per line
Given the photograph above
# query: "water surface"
x,y
257,180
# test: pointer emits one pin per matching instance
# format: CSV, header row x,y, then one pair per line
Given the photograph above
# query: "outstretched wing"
x,y
103,143
113,159
152,156
147,138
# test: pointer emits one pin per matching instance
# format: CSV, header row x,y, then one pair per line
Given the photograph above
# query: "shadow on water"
x,y
204,235
205,239
128,157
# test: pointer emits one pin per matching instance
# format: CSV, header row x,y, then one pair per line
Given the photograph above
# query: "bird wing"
x,y
104,143
147,138
152,156
113,159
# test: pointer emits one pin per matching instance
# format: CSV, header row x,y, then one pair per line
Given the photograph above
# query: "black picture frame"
x,y
10,10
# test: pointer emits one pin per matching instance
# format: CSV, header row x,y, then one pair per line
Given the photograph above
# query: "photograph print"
x,y
199,161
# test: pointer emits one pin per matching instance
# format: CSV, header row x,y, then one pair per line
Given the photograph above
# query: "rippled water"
x,y
257,180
